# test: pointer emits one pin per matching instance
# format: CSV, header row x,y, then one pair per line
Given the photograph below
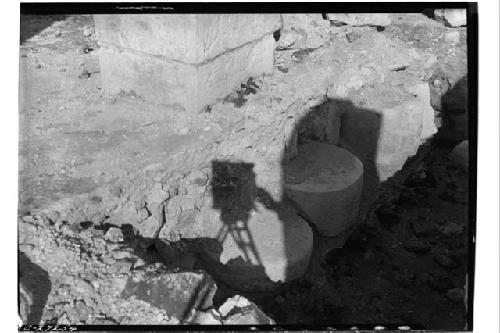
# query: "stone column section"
x,y
191,59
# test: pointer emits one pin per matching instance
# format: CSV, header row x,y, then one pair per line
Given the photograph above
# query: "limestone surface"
x,y
165,81
187,38
388,136
325,182
310,30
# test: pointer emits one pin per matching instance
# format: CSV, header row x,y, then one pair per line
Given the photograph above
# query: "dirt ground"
x,y
406,264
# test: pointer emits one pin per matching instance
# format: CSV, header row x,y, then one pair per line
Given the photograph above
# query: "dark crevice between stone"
x,y
277,35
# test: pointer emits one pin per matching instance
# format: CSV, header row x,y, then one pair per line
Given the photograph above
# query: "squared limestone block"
x,y
389,136
188,38
164,81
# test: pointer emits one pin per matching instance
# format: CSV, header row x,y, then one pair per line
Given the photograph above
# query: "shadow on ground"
x,y
31,25
34,288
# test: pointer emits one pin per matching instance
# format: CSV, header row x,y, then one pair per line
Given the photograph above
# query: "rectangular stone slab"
x,y
163,81
188,38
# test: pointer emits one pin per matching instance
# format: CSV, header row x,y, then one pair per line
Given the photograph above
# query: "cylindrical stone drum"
x,y
325,182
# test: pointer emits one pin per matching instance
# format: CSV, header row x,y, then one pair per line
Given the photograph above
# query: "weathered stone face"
x,y
390,135
190,60
164,81
189,39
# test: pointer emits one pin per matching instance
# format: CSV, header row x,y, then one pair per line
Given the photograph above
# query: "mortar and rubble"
x,y
244,169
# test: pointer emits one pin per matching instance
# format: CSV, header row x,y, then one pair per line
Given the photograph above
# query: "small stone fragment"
x,y
352,36
139,263
83,287
114,235
88,31
240,311
122,266
233,302
119,255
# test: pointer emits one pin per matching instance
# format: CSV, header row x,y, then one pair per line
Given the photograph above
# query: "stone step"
x,y
325,182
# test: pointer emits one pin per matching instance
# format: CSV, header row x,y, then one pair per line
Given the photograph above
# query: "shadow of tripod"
x,y
234,192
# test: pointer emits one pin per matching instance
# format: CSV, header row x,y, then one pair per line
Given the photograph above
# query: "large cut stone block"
x,y
389,136
325,183
165,81
190,38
